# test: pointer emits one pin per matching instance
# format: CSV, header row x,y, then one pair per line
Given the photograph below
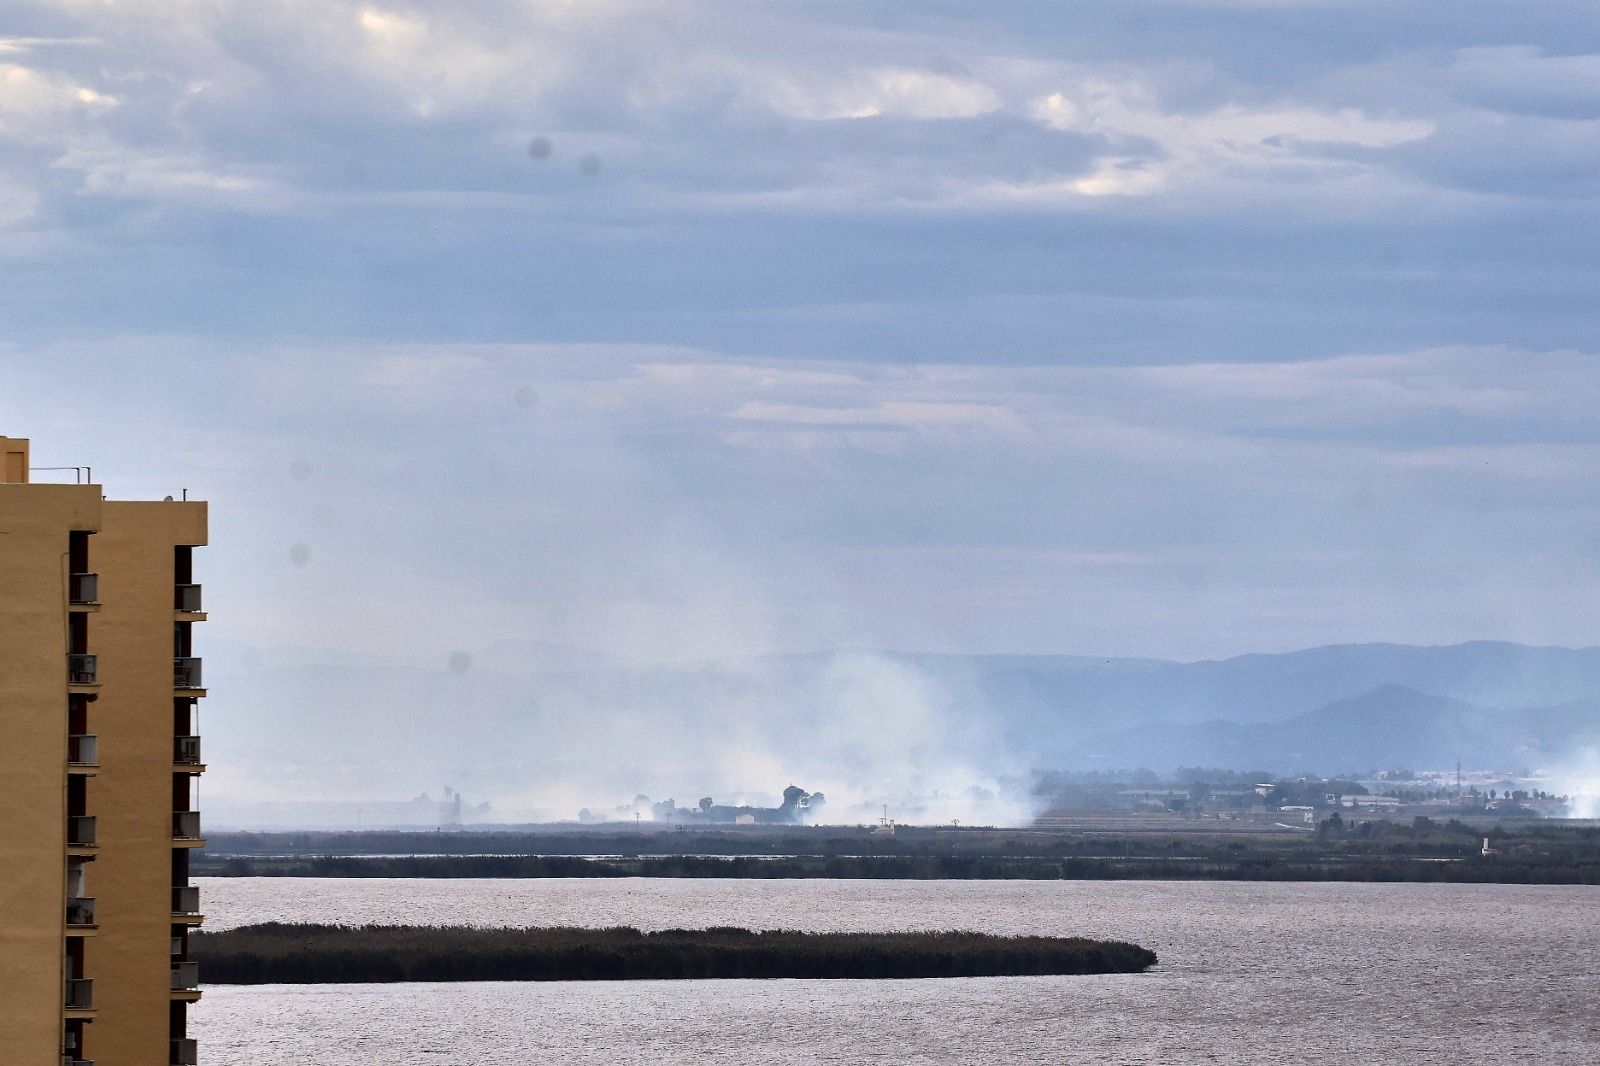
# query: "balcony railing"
x,y
186,750
186,825
185,1053
80,993
185,899
80,829
185,975
177,947
186,598
82,669
186,673
80,910
70,1061
83,749
83,588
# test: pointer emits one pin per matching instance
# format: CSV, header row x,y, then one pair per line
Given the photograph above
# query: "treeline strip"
x,y
1260,867
279,953
1544,843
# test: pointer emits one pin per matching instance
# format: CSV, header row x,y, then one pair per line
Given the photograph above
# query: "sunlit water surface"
x,y
1249,973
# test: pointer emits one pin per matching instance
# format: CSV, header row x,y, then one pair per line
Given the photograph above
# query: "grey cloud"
x,y
656,484
1537,157
386,508
1282,317
430,97
1526,79
340,223
343,170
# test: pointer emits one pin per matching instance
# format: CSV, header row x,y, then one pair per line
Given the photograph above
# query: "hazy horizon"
x,y
694,332
541,733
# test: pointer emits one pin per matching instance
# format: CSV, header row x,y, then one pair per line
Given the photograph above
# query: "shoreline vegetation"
x,y
1422,851
281,953
1249,868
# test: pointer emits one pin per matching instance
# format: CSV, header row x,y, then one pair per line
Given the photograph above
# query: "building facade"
x,y
99,741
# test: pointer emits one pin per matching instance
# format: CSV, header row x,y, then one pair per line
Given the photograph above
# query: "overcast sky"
x,y
686,329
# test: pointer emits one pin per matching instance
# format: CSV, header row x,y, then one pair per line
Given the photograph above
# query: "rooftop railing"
x,y
82,669
185,899
83,749
186,750
186,673
83,588
80,993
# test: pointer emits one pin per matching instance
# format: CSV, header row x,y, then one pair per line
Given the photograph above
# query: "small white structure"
x,y
1487,850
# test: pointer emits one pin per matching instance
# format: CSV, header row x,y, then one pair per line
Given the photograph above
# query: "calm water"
x,y
1250,973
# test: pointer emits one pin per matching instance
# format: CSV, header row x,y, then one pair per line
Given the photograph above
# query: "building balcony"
x,y
80,831
80,911
185,1052
186,674
185,976
186,599
83,590
83,749
82,669
186,825
186,751
70,1061
185,900
80,993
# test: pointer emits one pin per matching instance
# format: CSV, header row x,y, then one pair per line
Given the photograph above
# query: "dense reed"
x,y
321,954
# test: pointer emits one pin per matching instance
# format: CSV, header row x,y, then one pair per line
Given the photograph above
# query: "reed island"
x,y
286,953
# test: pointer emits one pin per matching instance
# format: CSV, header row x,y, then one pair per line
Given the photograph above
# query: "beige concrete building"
x,y
100,750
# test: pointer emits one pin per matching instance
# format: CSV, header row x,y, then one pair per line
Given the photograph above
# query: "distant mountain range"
x,y
1392,726
515,720
1346,707
1264,688
1328,709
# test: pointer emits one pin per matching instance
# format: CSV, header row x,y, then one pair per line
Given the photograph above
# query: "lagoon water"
x,y
1250,973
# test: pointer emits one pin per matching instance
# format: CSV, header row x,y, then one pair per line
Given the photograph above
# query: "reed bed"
x,y
283,953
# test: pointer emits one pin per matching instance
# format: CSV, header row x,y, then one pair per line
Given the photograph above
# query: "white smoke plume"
x,y
1579,777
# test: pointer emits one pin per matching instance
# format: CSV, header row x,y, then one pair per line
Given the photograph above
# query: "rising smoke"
x,y
568,628
865,728
541,733
1578,776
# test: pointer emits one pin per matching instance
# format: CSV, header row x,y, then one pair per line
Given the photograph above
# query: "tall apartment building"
x,y
100,762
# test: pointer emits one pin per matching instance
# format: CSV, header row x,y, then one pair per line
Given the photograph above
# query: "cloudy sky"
x,y
683,329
